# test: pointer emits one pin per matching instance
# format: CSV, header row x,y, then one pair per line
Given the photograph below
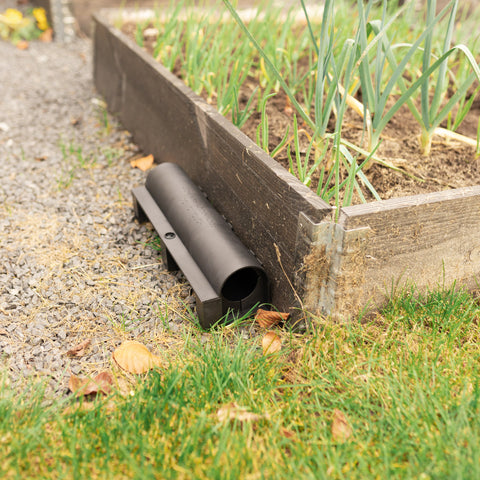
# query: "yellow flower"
x,y
41,18
12,18
14,15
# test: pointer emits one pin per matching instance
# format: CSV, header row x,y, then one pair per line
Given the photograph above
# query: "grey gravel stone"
x,y
7,350
74,264
76,369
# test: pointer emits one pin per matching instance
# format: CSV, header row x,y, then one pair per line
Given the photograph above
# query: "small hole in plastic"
x,y
169,235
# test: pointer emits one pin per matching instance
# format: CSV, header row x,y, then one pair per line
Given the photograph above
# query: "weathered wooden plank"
x,y
423,239
256,195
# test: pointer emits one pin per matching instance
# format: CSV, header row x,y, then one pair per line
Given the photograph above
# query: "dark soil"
x,y
450,164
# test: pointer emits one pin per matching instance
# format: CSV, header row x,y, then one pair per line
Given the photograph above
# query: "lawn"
x,y
391,396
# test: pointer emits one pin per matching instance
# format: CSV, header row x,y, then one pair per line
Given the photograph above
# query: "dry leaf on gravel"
x,y
22,45
143,163
102,383
46,36
79,349
135,357
232,411
267,318
271,343
341,429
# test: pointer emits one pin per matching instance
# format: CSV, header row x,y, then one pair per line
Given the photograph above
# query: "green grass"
x,y
73,160
407,380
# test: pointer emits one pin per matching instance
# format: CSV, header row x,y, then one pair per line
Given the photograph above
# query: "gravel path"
x,y
74,263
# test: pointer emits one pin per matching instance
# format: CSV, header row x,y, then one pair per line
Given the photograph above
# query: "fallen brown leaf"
x,y
135,357
267,319
143,163
341,429
22,45
288,433
271,343
102,383
79,349
46,36
232,411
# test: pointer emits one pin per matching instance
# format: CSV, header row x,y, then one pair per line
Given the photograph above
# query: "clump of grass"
x,y
406,381
73,159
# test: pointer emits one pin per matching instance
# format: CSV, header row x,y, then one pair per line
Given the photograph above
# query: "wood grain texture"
x,y
427,240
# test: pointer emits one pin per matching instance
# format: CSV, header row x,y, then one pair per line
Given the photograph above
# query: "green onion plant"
x,y
433,108
373,58
434,111
342,70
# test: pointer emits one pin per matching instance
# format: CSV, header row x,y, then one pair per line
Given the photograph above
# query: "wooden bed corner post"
x,y
332,263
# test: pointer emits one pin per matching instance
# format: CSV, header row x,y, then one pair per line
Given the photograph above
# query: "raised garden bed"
x,y
336,268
